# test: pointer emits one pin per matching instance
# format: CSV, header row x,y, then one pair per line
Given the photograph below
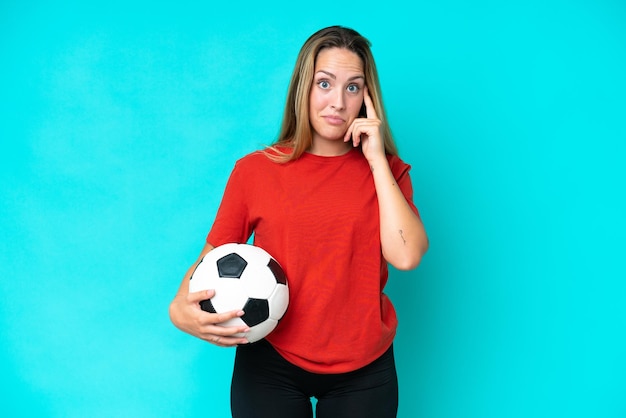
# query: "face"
x,y
336,97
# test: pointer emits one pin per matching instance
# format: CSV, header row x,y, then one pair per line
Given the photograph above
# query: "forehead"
x,y
338,59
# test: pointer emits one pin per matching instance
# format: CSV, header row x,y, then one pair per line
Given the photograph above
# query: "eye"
x,y
353,88
323,84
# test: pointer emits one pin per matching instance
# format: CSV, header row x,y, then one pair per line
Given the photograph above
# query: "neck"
x,y
329,149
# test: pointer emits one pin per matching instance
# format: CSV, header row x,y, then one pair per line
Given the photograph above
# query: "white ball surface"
x,y
243,277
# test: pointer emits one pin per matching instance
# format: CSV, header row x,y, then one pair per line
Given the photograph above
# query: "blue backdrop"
x,y
120,122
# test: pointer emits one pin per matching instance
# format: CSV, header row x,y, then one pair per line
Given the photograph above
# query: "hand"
x,y
186,314
367,131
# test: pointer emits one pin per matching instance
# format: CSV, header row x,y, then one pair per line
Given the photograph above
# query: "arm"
x,y
186,315
402,235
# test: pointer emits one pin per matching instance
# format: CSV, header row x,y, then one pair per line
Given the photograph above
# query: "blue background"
x,y
120,122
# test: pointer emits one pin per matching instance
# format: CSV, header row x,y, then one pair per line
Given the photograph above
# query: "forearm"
x,y
402,234
180,301
186,314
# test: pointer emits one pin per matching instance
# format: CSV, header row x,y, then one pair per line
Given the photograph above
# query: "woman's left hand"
x,y
367,131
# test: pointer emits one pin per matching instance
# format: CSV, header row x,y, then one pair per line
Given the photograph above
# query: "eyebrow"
x,y
331,75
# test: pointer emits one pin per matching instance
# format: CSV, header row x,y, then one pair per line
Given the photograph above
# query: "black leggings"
x,y
265,385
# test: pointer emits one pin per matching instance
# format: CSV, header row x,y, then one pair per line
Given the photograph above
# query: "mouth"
x,y
333,120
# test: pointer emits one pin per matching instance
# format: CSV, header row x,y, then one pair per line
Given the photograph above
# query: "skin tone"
x,y
334,104
335,100
336,97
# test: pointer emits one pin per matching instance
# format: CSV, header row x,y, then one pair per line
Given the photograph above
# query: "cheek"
x,y
316,101
355,106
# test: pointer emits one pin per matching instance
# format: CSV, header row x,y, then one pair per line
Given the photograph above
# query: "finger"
x,y
362,129
369,105
356,135
208,323
225,316
196,297
220,331
348,133
221,323
227,335
227,341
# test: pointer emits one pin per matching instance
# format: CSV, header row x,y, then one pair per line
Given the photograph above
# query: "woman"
x,y
332,202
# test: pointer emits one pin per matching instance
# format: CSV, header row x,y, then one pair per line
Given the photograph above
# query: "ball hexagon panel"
x,y
258,332
234,322
229,295
206,276
259,281
278,301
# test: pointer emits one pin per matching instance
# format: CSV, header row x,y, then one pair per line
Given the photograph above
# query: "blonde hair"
x,y
295,133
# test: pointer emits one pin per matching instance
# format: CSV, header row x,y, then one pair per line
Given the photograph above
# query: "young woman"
x,y
332,202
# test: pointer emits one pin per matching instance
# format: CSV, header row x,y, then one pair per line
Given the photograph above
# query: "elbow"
x,y
409,260
408,263
171,313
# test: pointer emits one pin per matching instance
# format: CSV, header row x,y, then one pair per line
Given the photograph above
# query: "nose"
x,y
337,102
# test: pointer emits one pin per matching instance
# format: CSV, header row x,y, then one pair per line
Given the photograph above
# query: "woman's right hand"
x,y
186,315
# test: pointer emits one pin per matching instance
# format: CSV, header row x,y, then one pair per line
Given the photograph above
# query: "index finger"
x,y
225,316
369,105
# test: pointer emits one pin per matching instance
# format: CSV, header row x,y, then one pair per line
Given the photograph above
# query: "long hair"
x,y
296,133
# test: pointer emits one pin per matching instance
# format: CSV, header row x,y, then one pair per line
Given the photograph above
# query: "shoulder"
x,y
255,164
254,159
271,156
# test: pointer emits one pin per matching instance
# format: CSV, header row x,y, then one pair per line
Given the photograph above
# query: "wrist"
x,y
378,162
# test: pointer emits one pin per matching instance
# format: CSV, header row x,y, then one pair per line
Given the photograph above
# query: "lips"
x,y
333,120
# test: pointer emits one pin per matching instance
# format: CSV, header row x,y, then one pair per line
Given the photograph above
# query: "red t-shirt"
x,y
318,216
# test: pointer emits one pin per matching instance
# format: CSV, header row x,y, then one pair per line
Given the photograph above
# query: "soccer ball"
x,y
244,277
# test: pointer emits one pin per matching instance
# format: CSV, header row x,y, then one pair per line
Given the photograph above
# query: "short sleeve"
x,y
232,220
400,171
